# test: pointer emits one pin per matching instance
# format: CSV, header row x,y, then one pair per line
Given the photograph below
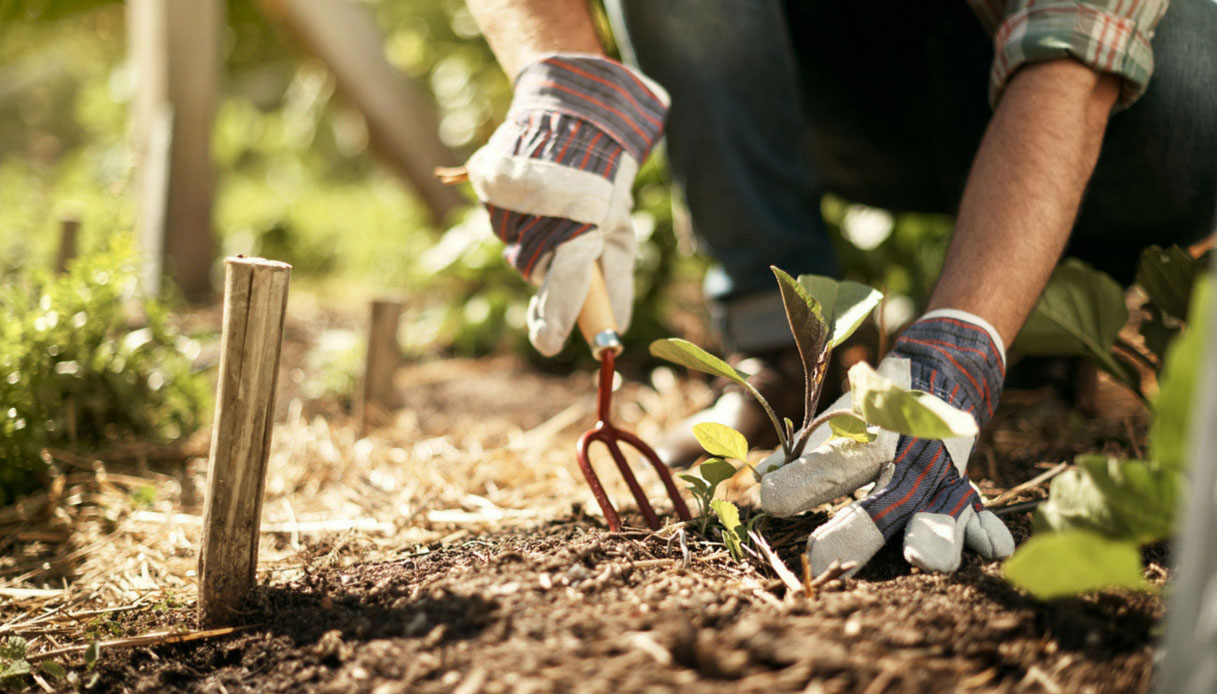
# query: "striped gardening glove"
x,y
556,179
921,487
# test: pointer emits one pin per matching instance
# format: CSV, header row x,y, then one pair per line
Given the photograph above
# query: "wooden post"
x,y
69,229
175,54
383,357
401,119
255,305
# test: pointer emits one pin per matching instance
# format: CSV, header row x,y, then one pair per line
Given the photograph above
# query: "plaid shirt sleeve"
x,y
1107,35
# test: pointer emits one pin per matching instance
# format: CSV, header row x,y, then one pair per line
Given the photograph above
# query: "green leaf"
x,y
728,517
1159,331
845,304
810,330
691,356
53,669
1168,433
698,484
716,471
1080,312
14,668
1056,565
847,426
1167,276
728,514
91,653
881,402
1122,499
721,440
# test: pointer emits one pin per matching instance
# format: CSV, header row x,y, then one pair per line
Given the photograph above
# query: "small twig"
x,y
160,638
651,563
779,567
1131,350
809,590
1132,439
835,570
1029,484
1017,508
451,175
684,547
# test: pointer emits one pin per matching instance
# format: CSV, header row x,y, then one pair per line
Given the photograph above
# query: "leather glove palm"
x,y
921,487
556,177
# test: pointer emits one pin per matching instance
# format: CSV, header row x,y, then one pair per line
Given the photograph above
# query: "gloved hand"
x,y
556,179
921,485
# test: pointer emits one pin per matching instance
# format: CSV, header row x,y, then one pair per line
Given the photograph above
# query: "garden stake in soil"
x,y
599,329
255,304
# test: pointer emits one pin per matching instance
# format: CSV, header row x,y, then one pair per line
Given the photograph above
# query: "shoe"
x,y
778,376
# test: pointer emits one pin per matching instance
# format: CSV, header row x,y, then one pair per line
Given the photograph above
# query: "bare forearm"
x,y
519,31
1023,192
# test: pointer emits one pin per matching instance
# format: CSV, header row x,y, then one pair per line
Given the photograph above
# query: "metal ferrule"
x,y
606,340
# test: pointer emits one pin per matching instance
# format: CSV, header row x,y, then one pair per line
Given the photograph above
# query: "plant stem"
x,y
1131,350
773,417
816,423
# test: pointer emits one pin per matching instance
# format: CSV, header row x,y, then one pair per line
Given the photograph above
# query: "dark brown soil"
x,y
565,606
570,607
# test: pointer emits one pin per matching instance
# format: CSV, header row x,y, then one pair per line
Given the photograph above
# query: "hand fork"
x,y
600,330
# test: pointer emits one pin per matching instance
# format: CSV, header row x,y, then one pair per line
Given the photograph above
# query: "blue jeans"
x,y
774,103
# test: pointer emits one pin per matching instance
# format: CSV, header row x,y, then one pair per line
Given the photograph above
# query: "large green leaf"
x,y
691,356
1122,499
1056,565
1167,276
810,330
1168,434
1080,312
721,440
881,402
845,304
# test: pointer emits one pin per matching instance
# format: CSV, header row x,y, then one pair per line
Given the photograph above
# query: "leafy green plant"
x,y
15,667
1098,515
1083,310
822,313
79,368
722,442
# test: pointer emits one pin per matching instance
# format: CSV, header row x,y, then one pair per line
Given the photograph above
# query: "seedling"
x,y
722,442
822,313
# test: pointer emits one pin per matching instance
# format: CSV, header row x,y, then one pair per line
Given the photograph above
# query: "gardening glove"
x,y
920,485
556,179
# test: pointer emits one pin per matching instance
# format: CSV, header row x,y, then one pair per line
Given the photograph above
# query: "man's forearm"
x,y
1024,190
519,31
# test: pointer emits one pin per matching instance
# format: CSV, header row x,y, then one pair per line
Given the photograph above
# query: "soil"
x,y
559,604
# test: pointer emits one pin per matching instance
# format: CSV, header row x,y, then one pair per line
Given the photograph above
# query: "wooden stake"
x,y
69,228
255,305
383,358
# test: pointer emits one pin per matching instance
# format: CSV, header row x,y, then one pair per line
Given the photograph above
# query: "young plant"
x,y
721,442
1088,535
822,313
1082,311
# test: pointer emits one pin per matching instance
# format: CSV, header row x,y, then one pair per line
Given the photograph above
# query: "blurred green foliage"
x,y
78,368
295,180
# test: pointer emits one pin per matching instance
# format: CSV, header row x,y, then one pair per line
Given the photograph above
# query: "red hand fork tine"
x,y
598,327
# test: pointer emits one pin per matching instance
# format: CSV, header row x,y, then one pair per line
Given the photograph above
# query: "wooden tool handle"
x,y
596,318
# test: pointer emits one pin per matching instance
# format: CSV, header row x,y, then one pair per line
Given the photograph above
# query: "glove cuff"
x,y
958,357
619,101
